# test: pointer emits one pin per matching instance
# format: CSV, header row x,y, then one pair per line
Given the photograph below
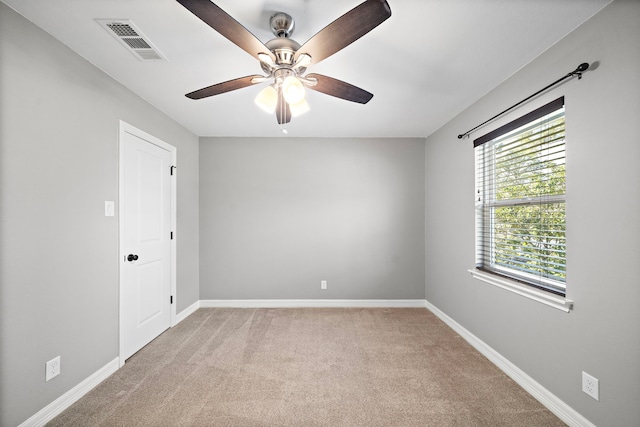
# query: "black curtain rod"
x,y
577,72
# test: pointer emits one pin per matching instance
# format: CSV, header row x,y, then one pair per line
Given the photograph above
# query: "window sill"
x,y
543,297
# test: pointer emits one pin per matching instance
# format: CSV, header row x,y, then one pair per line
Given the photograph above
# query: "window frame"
x,y
554,295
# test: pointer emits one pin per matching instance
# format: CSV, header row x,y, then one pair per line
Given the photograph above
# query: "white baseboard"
x,y
544,396
186,312
535,389
292,303
53,409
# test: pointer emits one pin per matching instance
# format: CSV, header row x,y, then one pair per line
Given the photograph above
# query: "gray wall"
x,y
277,215
59,119
602,335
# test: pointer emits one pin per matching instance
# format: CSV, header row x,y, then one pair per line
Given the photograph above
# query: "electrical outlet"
x,y
52,368
590,385
323,284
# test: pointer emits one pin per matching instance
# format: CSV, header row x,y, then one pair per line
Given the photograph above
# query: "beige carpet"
x,y
308,367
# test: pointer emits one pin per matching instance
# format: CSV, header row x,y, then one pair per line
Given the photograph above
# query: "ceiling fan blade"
x,y
345,30
283,112
223,23
339,89
223,87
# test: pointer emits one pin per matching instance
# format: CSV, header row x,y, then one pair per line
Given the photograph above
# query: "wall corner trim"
x,y
53,409
535,389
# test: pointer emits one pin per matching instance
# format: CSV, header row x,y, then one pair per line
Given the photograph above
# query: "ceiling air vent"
x,y
132,38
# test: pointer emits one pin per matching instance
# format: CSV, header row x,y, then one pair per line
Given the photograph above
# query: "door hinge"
x,y
171,235
171,299
171,170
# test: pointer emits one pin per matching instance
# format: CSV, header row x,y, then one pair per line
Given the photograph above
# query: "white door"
x,y
145,286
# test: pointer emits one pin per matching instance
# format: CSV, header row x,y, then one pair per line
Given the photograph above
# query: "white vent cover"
x,y
132,38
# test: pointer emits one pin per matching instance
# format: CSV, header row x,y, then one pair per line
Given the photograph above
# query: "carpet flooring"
x,y
308,367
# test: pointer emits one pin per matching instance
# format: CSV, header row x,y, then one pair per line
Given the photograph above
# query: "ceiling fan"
x,y
285,61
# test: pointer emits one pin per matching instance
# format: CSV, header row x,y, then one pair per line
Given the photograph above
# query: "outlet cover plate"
x,y
52,368
590,386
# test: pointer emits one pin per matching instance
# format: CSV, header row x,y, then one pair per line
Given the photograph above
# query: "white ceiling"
x,y
424,65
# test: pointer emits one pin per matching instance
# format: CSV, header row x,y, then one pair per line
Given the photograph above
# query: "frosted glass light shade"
x,y
267,99
299,108
265,58
303,61
292,90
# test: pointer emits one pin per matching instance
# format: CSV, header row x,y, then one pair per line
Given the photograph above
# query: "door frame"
x,y
124,129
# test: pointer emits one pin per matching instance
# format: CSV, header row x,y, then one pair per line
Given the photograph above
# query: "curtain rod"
x,y
577,72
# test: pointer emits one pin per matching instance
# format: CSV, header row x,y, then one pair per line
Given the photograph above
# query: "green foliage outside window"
x,y
530,236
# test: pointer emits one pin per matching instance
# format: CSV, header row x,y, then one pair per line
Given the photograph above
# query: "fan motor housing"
x,y
284,50
283,47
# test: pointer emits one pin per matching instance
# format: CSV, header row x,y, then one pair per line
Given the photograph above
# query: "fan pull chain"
x,y
283,110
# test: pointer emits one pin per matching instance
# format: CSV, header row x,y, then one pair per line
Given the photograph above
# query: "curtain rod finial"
x,y
578,71
582,67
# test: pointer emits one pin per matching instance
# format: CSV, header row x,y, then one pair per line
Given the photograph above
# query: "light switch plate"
x,y
109,208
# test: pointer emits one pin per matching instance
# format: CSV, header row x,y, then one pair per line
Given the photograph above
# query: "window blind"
x,y
520,199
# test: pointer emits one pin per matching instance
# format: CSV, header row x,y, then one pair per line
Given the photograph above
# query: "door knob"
x,y
132,257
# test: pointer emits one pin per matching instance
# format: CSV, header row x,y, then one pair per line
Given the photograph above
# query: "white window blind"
x,y
520,199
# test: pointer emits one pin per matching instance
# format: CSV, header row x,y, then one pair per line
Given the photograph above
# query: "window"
x,y
520,201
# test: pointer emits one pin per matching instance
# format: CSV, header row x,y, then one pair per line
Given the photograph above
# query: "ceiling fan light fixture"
x,y
284,60
302,61
266,58
292,90
267,99
299,108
